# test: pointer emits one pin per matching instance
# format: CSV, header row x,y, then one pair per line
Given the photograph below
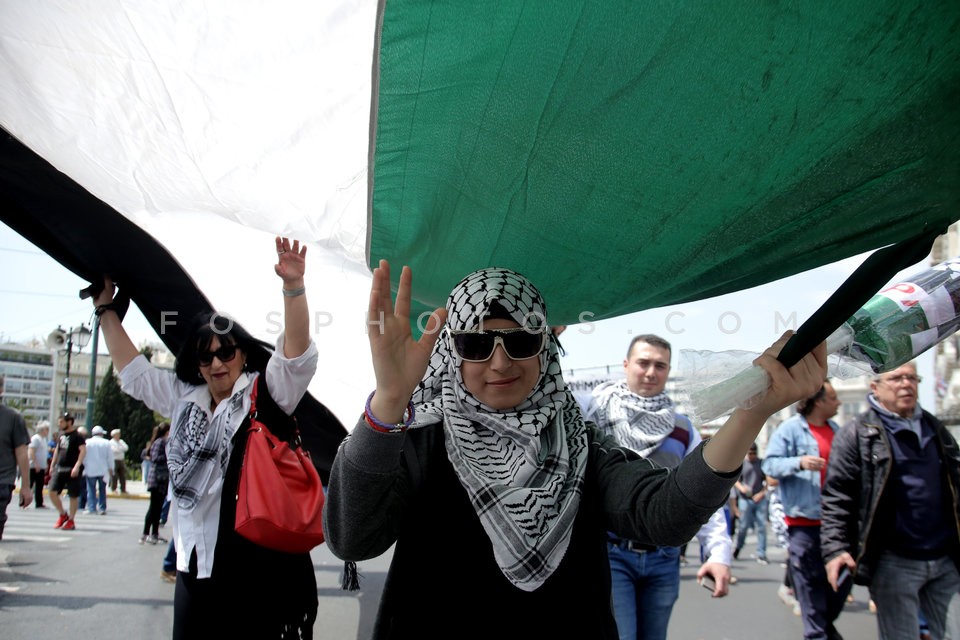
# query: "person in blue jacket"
x,y
797,456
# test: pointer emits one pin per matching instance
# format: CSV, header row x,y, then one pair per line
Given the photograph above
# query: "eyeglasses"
x,y
906,377
226,353
478,346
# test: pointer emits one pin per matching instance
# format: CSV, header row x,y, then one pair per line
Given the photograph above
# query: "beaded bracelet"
x,y
293,293
384,427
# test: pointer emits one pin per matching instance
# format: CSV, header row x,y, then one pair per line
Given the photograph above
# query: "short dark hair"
x,y
68,417
805,406
651,339
203,328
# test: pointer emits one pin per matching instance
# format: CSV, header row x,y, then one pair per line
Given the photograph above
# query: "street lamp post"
x,y
66,376
78,336
92,384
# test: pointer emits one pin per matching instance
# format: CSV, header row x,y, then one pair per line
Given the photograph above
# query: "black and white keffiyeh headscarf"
x,y
522,468
638,423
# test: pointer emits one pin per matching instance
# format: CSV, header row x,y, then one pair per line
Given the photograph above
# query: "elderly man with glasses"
x,y
890,510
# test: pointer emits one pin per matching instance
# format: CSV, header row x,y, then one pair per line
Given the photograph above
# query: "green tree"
x,y
108,406
114,409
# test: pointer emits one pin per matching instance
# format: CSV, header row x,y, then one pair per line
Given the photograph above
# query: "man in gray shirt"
x,y
13,454
753,504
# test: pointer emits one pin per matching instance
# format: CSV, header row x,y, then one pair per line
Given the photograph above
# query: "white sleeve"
x,y
157,388
713,535
288,378
714,539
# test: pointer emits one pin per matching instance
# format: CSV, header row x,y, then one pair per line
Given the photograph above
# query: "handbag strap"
x,y
255,424
253,397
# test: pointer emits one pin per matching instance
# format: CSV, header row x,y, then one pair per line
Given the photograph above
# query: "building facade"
x,y
36,382
29,381
71,394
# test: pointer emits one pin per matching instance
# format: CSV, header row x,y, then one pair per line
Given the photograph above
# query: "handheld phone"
x,y
707,583
843,576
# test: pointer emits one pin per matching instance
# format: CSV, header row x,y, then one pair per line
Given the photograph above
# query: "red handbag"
x,y
279,495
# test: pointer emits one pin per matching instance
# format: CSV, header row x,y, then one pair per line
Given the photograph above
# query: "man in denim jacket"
x,y
890,509
797,456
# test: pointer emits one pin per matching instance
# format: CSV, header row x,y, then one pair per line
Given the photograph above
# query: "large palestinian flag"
x,y
623,155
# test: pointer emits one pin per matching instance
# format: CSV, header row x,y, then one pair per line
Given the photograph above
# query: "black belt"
x,y
631,545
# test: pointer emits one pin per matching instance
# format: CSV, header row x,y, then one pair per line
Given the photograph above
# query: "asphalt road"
x,y
98,583
752,610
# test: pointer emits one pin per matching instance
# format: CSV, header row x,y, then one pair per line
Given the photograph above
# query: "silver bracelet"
x,y
293,293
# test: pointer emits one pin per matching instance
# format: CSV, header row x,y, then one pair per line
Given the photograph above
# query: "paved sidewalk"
x,y
136,490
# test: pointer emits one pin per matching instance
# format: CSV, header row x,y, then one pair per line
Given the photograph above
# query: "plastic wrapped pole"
x,y
906,319
722,397
893,327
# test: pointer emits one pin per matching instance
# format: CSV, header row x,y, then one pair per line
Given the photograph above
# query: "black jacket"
x,y
856,511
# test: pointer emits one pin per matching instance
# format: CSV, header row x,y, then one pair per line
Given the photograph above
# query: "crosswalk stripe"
x,y
25,538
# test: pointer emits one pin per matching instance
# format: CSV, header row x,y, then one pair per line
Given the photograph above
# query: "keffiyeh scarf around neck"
x,y
638,423
523,468
199,448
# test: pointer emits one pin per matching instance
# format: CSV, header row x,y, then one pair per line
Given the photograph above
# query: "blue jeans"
x,y
902,588
170,560
754,514
93,485
820,605
645,587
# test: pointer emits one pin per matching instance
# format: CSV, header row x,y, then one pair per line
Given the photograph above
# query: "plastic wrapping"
x,y
893,327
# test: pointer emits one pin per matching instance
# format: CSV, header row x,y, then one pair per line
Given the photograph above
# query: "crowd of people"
x,y
74,461
471,440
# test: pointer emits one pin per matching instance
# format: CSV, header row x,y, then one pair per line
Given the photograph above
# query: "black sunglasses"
x,y
478,346
226,353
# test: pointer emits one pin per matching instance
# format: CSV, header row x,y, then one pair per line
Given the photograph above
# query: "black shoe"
x,y
736,554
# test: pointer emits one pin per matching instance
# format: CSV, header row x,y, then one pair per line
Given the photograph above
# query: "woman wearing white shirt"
x,y
207,398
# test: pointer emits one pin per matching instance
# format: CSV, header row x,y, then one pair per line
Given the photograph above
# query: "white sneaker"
x,y
786,595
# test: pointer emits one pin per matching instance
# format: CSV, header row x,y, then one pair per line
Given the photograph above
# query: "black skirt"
x,y
253,592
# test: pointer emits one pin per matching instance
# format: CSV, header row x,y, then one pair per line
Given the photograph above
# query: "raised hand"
x,y
399,361
106,293
291,265
118,343
787,386
727,447
291,261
